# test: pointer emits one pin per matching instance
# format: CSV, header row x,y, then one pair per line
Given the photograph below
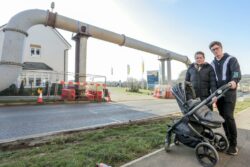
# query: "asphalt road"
x,y
23,121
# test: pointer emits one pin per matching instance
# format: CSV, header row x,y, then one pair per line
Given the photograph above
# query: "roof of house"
x,y
62,38
36,66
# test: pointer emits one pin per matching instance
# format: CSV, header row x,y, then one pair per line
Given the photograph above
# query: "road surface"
x,y
23,121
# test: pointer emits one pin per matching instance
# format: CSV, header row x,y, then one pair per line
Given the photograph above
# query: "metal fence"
x,y
50,82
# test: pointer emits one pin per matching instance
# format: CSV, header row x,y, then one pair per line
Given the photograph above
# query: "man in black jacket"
x,y
202,76
227,70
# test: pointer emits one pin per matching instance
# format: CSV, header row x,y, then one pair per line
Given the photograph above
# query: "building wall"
x,y
52,50
52,47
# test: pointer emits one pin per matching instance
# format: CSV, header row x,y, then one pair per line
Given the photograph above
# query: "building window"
x,y
31,81
35,50
38,81
32,51
45,80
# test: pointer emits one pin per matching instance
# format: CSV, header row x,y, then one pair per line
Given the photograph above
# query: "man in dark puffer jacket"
x,y
202,76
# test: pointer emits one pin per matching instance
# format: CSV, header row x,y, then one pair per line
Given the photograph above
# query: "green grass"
x,y
114,146
146,92
121,90
241,105
117,89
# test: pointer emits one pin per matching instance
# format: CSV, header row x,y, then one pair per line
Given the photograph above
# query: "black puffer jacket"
x,y
203,80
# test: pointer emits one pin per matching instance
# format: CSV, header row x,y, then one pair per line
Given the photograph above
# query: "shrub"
x,y
11,91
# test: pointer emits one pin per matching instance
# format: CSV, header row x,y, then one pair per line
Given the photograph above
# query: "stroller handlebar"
x,y
180,95
223,89
226,86
219,93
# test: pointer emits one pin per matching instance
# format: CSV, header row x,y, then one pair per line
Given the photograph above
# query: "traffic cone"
x,y
40,98
158,93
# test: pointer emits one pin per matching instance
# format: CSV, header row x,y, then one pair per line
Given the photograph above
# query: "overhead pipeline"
x,y
17,30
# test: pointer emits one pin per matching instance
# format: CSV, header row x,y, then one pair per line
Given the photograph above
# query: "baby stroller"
x,y
194,129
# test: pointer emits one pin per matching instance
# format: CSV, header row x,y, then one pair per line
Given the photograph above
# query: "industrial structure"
x,y
11,61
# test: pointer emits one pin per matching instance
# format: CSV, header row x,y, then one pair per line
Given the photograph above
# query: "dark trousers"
x,y
226,110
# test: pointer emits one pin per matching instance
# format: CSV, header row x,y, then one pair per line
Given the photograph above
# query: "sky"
x,y
182,26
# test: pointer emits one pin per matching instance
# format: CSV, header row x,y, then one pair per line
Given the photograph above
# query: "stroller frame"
x,y
207,143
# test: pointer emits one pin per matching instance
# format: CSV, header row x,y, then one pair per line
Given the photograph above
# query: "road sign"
x,y
152,78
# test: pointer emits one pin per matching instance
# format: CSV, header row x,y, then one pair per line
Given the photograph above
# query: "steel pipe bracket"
x,y
51,19
124,40
16,30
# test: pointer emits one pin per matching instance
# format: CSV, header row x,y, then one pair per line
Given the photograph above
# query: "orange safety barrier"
x,y
163,91
99,92
68,94
158,93
168,94
90,95
93,92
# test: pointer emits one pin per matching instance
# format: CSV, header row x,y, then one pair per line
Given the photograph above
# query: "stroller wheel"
x,y
206,154
167,145
168,141
176,141
220,142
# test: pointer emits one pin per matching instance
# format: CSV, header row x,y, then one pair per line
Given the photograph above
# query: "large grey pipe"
x,y
16,31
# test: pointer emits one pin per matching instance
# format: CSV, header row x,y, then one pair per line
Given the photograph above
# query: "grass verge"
x,y
114,146
241,105
122,90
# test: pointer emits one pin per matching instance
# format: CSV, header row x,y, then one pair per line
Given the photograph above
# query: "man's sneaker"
x,y
232,150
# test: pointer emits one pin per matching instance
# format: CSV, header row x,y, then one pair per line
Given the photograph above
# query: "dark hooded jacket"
x,y
202,78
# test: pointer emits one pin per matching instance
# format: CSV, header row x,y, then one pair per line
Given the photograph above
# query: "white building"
x,y
45,56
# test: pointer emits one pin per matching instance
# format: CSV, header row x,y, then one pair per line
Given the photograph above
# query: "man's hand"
x,y
214,99
233,84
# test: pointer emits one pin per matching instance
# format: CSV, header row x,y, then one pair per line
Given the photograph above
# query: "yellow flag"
x,y
142,67
128,69
112,71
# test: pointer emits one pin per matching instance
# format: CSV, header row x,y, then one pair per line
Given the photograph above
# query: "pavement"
x,y
181,155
